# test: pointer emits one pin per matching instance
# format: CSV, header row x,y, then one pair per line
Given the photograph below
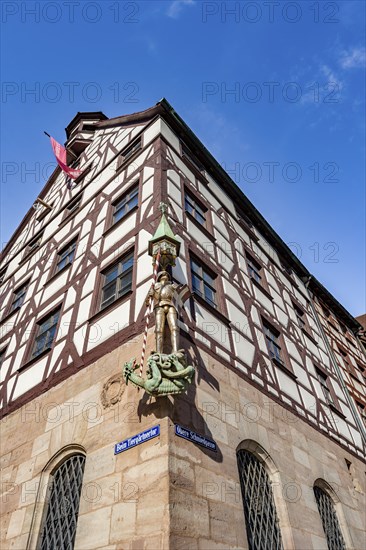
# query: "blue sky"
x,y
275,90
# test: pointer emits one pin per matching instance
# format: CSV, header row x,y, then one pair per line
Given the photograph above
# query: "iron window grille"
x,y
261,519
125,204
203,283
59,528
19,296
254,269
46,333
323,380
329,519
193,207
117,280
66,256
273,342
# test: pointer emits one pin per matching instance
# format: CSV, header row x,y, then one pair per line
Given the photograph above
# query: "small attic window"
x,y
187,153
131,150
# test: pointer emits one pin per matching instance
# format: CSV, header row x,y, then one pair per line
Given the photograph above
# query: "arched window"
x,y
259,508
329,519
61,516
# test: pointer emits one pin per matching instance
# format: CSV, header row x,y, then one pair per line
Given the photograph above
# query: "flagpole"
x,y
68,150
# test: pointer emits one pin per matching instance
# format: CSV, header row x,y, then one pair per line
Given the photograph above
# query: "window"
x,y
254,269
193,207
34,243
131,149
73,205
300,315
329,520
193,159
125,204
45,333
273,342
18,297
323,379
66,256
259,508
203,283
117,280
59,527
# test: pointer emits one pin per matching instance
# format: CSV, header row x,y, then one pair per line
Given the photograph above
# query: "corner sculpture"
x,y
167,373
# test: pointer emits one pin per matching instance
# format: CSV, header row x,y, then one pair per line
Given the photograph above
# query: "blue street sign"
x,y
196,438
137,439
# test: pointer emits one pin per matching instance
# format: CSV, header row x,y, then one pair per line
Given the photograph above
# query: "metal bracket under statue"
x,y
167,373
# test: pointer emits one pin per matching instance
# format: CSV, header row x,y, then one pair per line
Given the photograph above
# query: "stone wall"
x,y
169,492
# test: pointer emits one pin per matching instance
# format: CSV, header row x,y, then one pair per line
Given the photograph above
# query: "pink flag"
x,y
60,154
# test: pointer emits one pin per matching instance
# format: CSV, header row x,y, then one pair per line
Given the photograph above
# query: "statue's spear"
x,y
149,311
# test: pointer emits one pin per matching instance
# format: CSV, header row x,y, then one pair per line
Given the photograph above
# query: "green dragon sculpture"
x,y
166,374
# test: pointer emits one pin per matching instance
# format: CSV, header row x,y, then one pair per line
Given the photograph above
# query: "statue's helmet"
x,y
162,274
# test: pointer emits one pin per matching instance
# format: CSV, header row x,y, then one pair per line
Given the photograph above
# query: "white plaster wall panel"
x,y
220,194
174,192
281,316
244,349
55,285
255,316
309,401
210,325
84,309
102,213
144,268
238,318
223,354
205,192
277,299
146,210
108,325
70,297
201,338
178,211
324,358
90,282
259,253
56,351
143,242
262,299
342,426
180,271
224,260
181,166
86,226
221,232
300,373
4,369
131,168
148,185
231,291
272,281
283,279
79,337
199,236
356,436
311,347
174,177
169,135
300,297
64,326
121,229
30,378
292,350
288,385
261,341
151,132
141,293
288,301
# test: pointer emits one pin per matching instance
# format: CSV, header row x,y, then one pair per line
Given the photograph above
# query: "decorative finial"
x,y
163,207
